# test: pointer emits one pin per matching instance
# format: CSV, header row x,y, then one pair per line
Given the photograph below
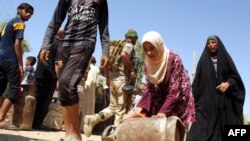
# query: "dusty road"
x,y
8,135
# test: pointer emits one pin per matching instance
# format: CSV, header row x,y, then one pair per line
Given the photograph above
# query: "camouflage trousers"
x,y
119,101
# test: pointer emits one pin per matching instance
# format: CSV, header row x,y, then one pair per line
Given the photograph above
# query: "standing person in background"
x,y
88,95
29,72
168,87
26,101
102,101
218,91
11,59
122,72
46,81
138,96
83,17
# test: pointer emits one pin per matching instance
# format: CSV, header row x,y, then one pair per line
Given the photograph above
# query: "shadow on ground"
x,y
4,137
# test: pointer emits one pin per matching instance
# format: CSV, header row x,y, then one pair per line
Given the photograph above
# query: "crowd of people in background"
x,y
90,94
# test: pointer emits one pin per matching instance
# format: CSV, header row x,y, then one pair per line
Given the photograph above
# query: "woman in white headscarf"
x,y
168,87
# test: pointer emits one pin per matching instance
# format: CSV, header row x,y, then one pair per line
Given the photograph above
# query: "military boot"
x,y
89,123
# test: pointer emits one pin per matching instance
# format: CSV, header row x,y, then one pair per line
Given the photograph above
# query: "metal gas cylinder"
x,y
151,129
24,109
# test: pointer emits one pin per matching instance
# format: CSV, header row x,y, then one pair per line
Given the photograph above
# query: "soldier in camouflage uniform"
x,y
121,73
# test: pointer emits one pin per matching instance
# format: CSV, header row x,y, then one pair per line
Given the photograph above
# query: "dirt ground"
x,y
8,135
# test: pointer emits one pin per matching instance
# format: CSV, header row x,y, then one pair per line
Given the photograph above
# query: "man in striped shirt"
x,y
83,17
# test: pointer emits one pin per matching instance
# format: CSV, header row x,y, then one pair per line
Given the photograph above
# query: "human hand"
x,y
97,1
133,76
104,62
134,113
223,87
105,67
44,54
21,71
159,115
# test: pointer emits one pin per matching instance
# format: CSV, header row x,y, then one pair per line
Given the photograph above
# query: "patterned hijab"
x,y
157,68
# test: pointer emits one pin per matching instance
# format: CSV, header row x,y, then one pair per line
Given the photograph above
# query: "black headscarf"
x,y
213,108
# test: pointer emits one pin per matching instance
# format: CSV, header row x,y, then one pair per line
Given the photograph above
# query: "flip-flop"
x,y
8,126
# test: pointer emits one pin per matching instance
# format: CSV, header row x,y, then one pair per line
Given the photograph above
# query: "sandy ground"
x,y
8,135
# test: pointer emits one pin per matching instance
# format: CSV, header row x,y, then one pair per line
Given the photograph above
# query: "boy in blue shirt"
x,y
11,60
29,72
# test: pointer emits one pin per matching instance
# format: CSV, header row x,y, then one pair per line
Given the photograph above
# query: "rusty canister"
x,y
151,129
24,109
54,118
28,109
28,112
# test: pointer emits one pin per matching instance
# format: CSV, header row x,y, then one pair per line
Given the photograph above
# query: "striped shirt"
x,y
83,17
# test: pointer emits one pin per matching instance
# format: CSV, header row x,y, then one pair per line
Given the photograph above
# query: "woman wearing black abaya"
x,y
218,91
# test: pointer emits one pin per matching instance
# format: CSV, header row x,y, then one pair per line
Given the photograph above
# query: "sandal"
x,y
8,126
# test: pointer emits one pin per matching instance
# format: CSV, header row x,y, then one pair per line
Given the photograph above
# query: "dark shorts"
x,y
10,74
75,62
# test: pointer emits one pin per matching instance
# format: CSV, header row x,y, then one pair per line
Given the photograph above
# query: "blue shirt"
x,y
29,78
12,31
